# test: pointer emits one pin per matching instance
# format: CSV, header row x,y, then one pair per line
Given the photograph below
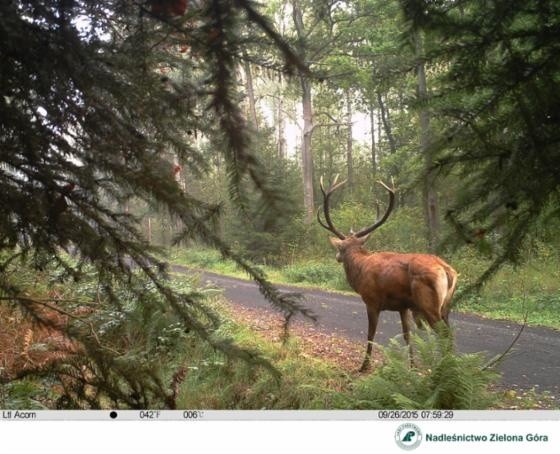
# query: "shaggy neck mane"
x,y
354,261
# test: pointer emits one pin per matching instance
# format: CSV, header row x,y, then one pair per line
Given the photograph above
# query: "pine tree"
x,y
95,98
497,100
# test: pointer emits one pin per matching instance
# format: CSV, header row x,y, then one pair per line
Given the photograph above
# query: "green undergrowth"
x,y
440,378
530,289
213,382
310,273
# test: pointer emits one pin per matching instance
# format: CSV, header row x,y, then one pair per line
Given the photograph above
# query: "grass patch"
x,y
213,382
25,394
207,259
541,310
531,288
311,273
315,273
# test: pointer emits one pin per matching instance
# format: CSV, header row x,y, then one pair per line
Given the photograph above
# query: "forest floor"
x,y
348,355
25,346
532,364
337,350
327,350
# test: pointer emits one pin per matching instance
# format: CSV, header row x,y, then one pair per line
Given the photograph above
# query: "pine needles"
x,y
97,99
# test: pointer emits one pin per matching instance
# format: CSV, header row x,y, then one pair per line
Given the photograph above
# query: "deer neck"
x,y
354,261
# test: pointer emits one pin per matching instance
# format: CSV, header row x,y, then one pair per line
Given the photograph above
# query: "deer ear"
x,y
363,239
335,242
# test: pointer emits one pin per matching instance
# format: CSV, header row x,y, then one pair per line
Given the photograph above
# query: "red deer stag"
x,y
390,281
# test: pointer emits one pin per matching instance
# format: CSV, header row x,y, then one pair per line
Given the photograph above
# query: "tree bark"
x,y
306,102
281,123
429,194
373,147
379,135
149,229
306,152
282,151
386,123
250,95
349,157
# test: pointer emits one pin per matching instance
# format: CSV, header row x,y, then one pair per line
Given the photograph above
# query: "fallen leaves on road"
x,y
313,342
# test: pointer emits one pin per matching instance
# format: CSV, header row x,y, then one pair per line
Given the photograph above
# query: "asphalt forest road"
x,y
534,361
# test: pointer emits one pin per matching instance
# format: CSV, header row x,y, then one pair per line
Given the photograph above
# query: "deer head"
x,y
421,284
343,243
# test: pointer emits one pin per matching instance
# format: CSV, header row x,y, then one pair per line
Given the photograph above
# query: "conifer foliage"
x,y
497,99
95,97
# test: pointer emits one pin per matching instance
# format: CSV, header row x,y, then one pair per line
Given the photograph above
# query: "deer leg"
x,y
405,322
445,314
405,325
373,316
432,318
418,319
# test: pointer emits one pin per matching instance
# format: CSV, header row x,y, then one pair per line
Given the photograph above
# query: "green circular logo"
x,y
408,436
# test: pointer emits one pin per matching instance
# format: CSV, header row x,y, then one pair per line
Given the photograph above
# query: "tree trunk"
x,y
281,122
379,136
250,94
349,163
306,102
149,229
178,175
429,194
372,129
306,152
282,150
386,123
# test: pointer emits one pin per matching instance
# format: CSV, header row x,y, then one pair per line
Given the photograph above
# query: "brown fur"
x,y
419,283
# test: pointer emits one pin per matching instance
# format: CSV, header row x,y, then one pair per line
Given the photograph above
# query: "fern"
x,y
439,379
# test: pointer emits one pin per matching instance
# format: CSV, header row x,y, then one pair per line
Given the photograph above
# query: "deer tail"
x,y
451,285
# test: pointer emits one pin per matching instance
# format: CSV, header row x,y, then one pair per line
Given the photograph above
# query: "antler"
x,y
381,221
326,196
